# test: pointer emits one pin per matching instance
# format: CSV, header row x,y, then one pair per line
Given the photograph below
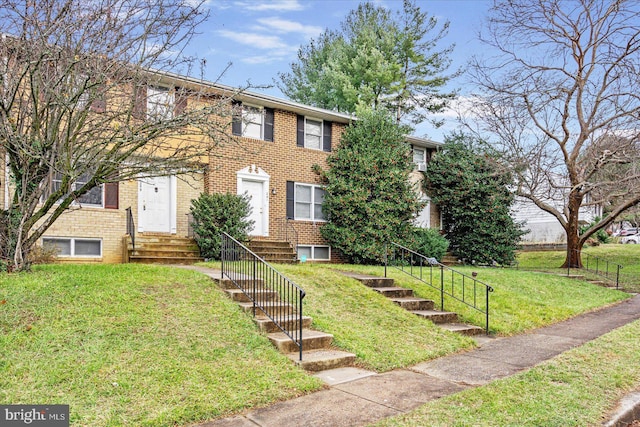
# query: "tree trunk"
x,y
573,258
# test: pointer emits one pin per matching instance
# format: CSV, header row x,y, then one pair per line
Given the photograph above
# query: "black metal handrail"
x,y
131,228
599,266
271,293
286,231
463,288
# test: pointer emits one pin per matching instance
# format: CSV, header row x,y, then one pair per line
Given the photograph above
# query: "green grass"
x,y
135,345
521,300
574,389
626,255
147,345
381,334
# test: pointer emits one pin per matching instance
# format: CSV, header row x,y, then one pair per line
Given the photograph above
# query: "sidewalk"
x,y
369,399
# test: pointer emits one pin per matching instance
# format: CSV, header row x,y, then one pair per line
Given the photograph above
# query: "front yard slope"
x,y
135,345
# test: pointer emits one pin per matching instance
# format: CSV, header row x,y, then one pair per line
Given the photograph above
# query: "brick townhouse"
x,y
278,143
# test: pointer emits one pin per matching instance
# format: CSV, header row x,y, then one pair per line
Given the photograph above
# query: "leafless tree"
x,y
560,99
80,104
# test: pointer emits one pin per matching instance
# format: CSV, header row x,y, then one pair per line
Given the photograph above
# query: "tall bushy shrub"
x,y
473,194
217,213
368,199
428,242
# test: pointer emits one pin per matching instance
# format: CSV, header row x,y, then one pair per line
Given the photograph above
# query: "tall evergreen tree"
x,y
369,200
473,195
377,59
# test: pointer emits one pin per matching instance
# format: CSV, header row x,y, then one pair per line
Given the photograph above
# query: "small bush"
x,y
43,254
428,242
600,236
214,214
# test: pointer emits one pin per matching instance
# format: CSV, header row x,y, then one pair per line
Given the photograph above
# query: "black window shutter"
x,y
300,141
290,199
268,124
326,136
236,118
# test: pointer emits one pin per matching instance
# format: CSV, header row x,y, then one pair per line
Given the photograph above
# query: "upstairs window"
x,y
314,133
252,121
160,103
420,158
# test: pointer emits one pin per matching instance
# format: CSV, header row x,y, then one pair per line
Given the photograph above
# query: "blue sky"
x,y
260,38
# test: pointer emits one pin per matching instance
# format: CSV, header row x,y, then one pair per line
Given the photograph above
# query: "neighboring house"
x,y
278,143
543,227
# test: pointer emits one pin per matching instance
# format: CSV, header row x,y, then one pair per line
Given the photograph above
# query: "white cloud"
x,y
260,41
275,5
284,26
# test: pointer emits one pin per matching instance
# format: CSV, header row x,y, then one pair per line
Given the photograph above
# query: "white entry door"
x,y
258,201
156,208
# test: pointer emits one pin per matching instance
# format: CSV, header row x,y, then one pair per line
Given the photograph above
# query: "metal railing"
x,y
286,232
271,293
131,227
459,286
599,266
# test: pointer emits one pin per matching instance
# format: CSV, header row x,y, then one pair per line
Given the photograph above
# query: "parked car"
x,y
628,232
635,239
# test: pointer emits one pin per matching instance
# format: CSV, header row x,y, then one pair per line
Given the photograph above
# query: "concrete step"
x,y
259,294
394,292
371,281
311,340
227,283
322,359
163,260
272,307
268,244
171,253
463,329
288,322
414,303
437,316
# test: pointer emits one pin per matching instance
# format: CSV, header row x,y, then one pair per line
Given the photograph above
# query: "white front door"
x,y
156,208
257,194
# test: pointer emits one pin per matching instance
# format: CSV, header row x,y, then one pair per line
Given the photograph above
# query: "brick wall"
x,y
283,161
110,225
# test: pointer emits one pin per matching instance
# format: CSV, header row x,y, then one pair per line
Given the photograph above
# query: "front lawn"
x,y
521,300
135,345
626,255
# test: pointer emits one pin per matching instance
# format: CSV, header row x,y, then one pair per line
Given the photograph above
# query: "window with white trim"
x,y
160,103
252,122
314,252
312,133
94,197
419,156
308,200
74,246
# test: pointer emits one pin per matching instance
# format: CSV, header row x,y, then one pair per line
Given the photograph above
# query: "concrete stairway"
x,y
449,259
419,306
164,250
317,351
274,251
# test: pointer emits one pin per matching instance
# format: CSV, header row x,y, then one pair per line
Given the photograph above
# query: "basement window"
x,y
314,253
74,247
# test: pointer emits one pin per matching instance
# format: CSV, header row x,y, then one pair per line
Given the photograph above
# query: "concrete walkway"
x,y
373,397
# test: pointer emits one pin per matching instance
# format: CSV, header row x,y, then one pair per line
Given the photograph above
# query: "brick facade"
x,y
279,161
